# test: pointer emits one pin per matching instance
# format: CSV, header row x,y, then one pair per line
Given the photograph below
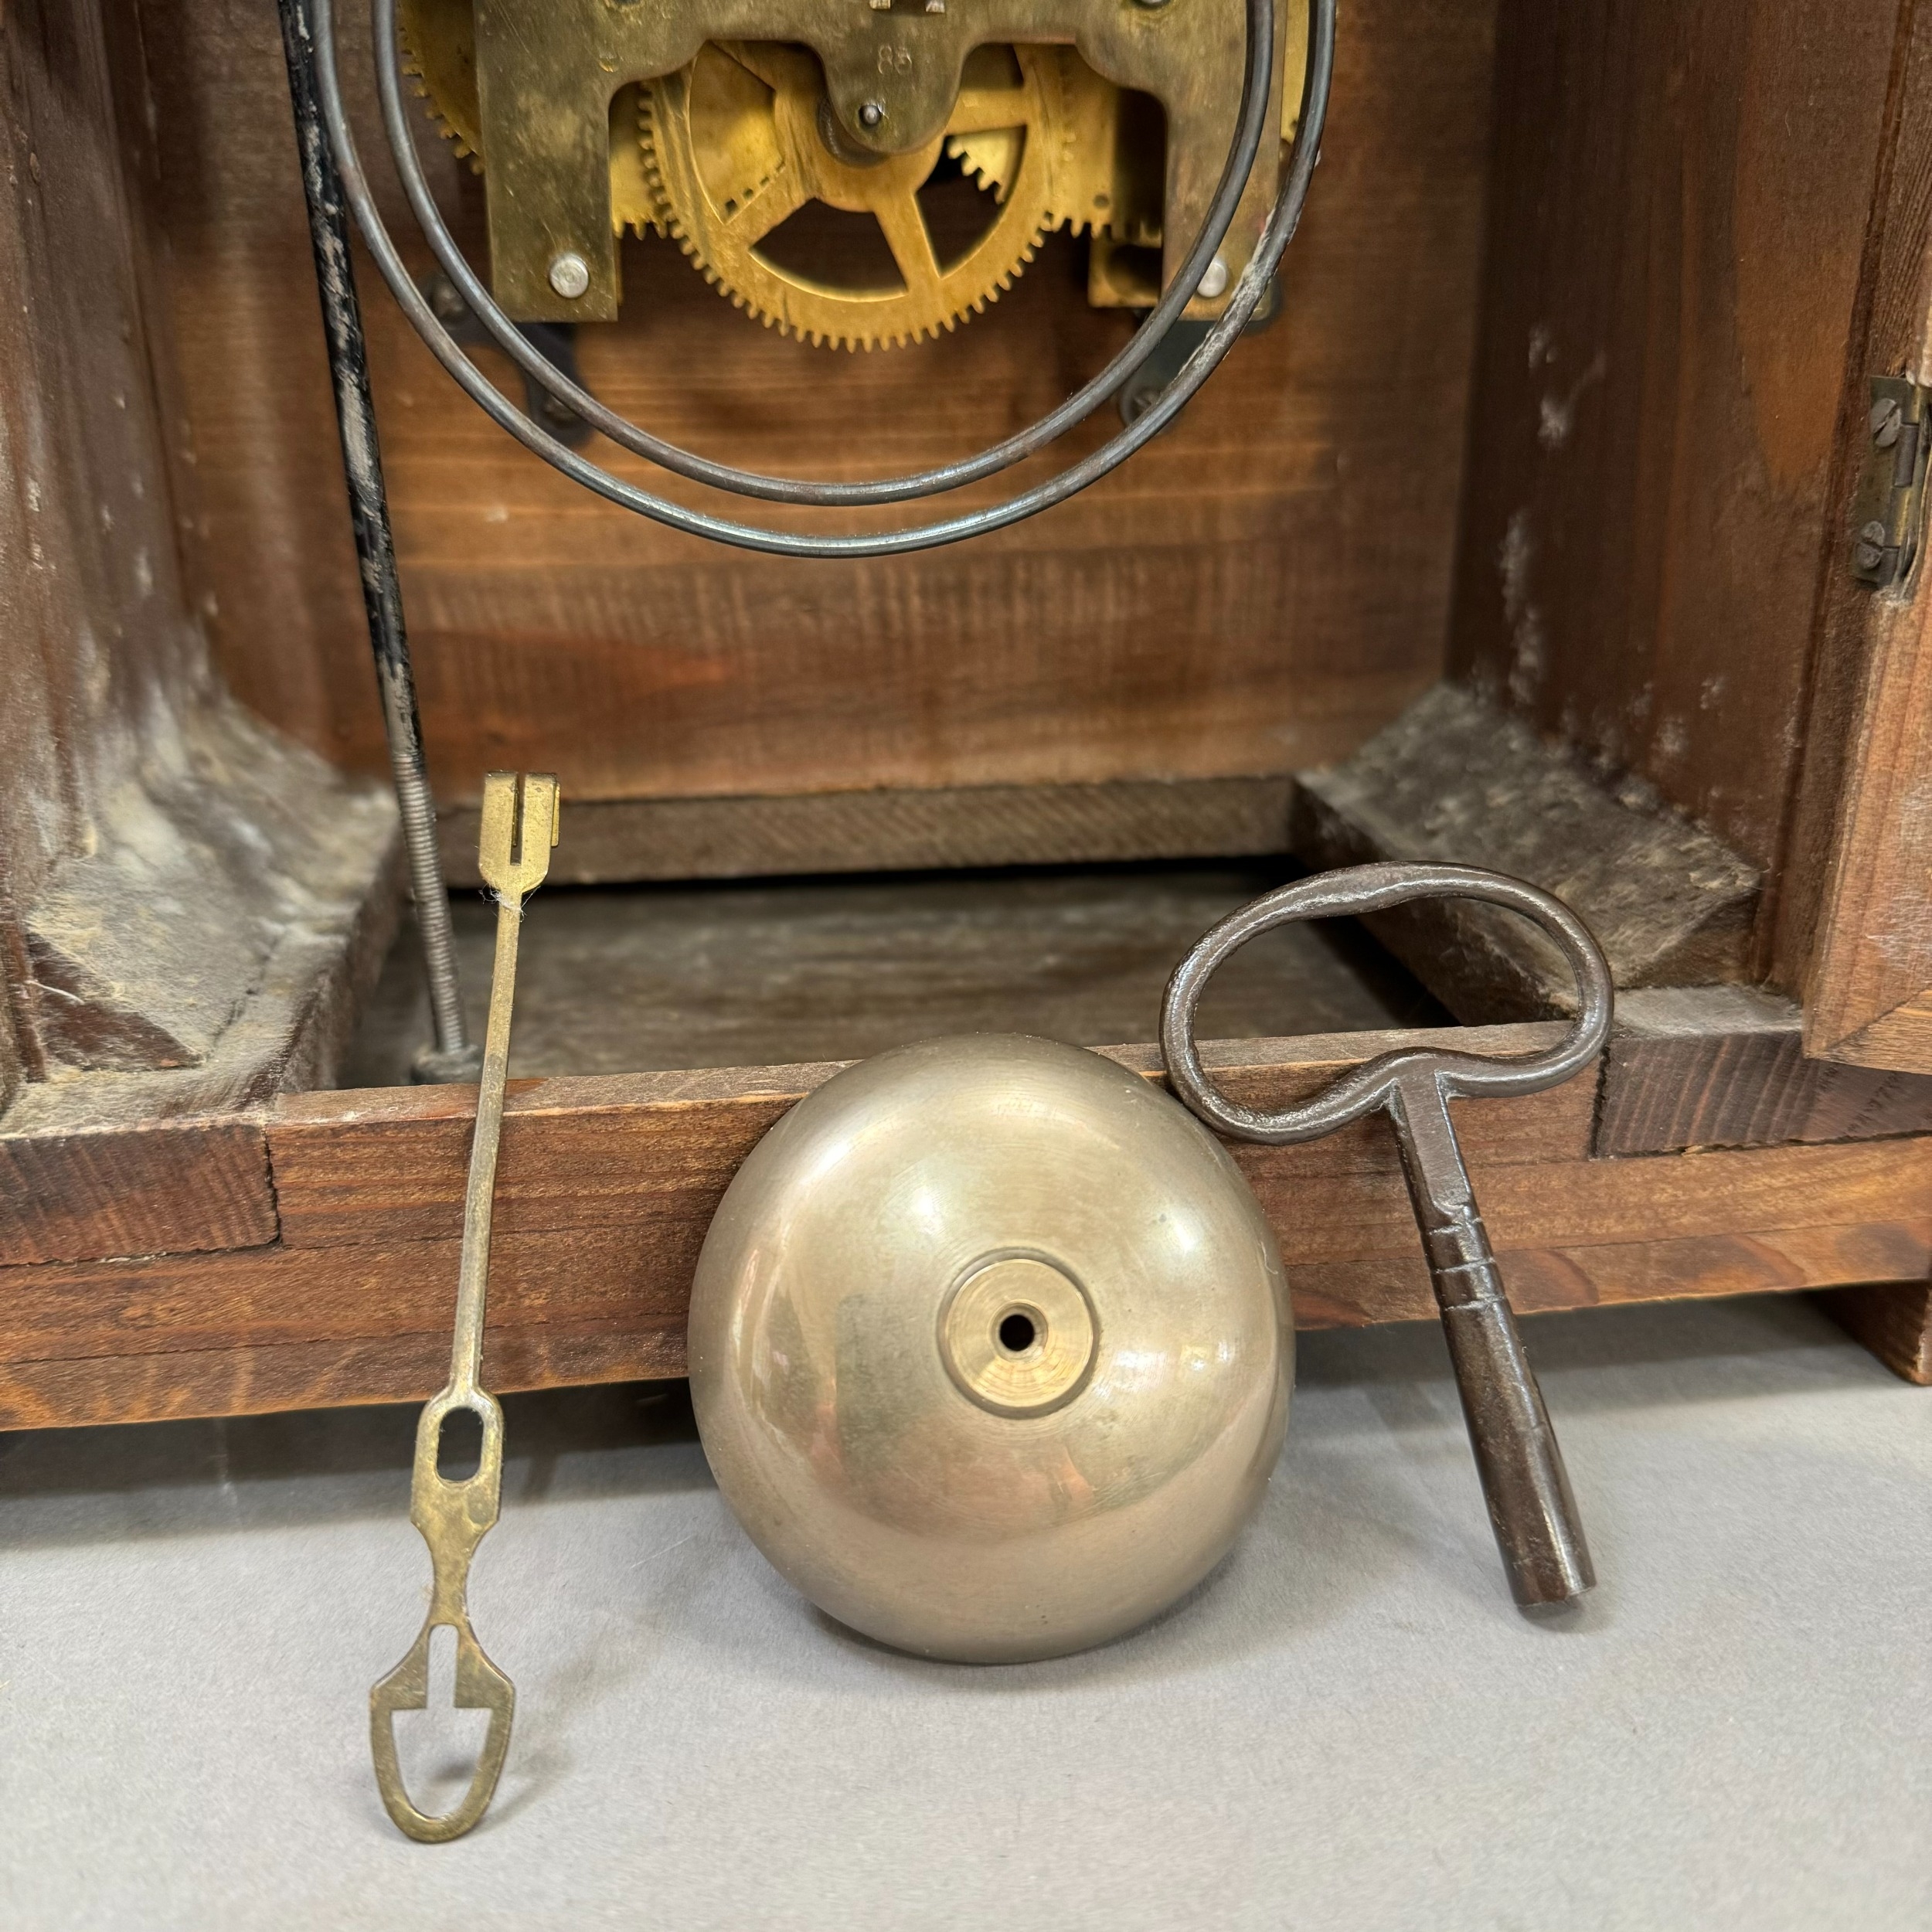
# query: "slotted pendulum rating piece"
x,y
520,826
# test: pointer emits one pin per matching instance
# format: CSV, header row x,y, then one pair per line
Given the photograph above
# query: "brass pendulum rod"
x,y
520,826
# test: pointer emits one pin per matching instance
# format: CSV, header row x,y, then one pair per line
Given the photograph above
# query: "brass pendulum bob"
x,y
990,1348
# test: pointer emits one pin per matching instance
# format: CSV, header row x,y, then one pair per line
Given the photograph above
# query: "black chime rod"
x,y
452,1057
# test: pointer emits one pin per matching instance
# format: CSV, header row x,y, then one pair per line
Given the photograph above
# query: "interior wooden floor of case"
x,y
636,978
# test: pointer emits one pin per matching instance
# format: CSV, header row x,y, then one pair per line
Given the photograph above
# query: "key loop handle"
x,y
1377,1083
1518,1460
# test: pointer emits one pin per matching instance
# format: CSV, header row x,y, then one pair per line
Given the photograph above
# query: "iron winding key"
x,y
1524,1483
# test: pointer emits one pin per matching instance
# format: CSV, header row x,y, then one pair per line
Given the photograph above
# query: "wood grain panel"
x,y
1256,592
95,655
1543,1279
1678,210
929,829
281,1327
623,981
608,1186
1685,1197
1725,1066
191,1303
1853,932
1870,987
645,1151
1894,1321
259,1379
94,646
168,1188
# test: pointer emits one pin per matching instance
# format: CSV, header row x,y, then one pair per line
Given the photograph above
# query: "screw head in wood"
x,y
1869,553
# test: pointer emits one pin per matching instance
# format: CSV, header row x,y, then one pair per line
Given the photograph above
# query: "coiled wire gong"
x,y
1251,127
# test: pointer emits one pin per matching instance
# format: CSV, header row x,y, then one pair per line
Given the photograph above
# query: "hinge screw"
x,y
1887,420
1873,539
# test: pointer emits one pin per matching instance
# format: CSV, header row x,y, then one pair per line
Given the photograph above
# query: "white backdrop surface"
x,y
1348,1726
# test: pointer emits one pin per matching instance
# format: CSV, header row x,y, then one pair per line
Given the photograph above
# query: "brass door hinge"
x,y
1887,515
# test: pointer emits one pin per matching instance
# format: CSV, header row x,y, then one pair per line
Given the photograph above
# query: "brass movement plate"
x,y
892,76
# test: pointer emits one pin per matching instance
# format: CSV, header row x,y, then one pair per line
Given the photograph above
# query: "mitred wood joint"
x,y
1726,1066
174,1187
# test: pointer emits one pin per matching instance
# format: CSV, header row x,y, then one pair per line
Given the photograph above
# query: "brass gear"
x,y
439,53
1079,197
741,139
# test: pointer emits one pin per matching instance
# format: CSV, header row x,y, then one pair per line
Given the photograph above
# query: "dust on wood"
x,y
1678,200
1260,590
624,980
937,827
1453,780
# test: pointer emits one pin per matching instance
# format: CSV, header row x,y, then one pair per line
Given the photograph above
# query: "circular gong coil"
x,y
741,141
990,1348
1252,120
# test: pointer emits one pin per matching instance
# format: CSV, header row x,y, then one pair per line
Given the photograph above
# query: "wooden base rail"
x,y
304,1254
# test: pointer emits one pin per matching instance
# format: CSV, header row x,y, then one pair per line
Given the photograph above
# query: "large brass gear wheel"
x,y
742,139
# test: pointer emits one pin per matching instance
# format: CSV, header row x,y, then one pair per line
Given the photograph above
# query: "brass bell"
x,y
990,1348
